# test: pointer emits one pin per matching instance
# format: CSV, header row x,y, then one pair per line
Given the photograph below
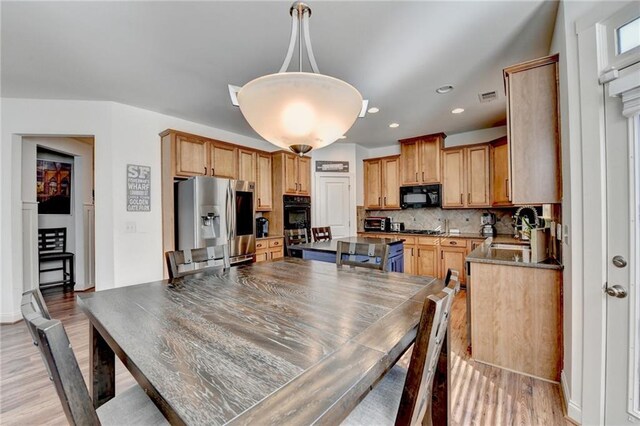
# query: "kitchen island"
x,y
515,309
325,251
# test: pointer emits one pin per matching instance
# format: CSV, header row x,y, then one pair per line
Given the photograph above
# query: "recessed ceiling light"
x,y
373,110
394,125
457,111
444,89
342,137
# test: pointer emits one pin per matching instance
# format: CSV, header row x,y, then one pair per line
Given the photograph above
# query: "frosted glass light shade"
x,y
299,110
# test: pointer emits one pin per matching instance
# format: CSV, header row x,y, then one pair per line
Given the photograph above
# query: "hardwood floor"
x,y
481,394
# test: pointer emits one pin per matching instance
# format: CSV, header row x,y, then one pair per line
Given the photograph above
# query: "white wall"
x,y
123,135
475,136
336,152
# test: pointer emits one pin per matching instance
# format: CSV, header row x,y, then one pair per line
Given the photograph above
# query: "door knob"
x,y
617,291
619,261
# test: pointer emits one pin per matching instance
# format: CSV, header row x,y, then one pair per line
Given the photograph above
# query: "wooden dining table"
x,y
284,342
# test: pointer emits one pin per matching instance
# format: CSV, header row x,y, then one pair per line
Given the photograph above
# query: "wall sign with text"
x,y
138,188
332,166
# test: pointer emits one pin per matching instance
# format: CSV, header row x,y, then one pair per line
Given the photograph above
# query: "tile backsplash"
x,y
466,220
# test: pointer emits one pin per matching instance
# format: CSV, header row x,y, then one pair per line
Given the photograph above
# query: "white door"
x,y
332,205
622,124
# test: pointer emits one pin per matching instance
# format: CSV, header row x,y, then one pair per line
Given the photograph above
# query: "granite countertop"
x,y
443,235
332,246
486,254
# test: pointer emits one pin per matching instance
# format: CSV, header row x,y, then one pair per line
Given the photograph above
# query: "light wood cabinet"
x,y
381,184
372,184
466,177
427,261
453,178
269,249
500,185
420,159
247,165
533,132
409,259
191,156
304,175
264,193
224,160
296,173
453,258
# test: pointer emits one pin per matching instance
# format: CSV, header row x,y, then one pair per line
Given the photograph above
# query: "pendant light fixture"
x,y
299,111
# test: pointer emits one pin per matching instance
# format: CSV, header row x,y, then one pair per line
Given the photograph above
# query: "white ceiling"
x,y
178,57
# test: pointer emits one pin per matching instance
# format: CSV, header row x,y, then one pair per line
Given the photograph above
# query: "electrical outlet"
x,y
130,227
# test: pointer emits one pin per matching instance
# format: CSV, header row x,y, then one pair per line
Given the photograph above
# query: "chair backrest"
x,y
415,403
362,254
187,262
293,237
52,240
49,336
321,233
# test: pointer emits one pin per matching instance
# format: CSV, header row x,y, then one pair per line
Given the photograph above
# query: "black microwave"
x,y
420,196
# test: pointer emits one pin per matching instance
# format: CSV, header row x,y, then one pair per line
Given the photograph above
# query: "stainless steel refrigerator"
x,y
214,211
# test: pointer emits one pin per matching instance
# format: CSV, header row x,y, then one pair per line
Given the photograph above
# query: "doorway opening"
x,y
58,217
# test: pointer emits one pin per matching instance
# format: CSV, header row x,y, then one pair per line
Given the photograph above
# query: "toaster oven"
x,y
377,224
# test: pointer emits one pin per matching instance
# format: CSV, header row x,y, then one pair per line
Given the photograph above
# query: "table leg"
x,y
102,374
440,403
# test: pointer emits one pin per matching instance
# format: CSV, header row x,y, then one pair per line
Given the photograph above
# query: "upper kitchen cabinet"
x,y
247,165
466,177
382,183
191,155
224,159
293,173
420,159
533,132
500,173
264,192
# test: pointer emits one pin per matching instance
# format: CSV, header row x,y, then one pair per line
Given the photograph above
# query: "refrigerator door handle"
x,y
230,214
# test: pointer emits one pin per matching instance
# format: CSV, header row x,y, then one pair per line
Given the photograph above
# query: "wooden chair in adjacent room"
x,y
372,256
132,406
293,237
321,233
408,396
52,247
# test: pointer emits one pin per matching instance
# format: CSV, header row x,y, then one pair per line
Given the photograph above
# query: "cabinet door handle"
x,y
508,190
416,176
468,198
385,201
213,171
453,243
461,200
259,203
205,170
423,176
379,203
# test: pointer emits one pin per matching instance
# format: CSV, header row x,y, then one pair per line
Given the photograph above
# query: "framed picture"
x,y
53,187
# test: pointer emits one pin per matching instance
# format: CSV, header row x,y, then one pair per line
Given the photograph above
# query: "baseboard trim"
x,y
573,412
10,318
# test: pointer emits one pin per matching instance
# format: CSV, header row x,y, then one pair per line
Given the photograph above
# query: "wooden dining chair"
x,y
321,233
363,255
132,406
404,396
293,237
188,262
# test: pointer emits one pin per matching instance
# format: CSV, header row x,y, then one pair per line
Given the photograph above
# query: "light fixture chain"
x,y
307,41
292,44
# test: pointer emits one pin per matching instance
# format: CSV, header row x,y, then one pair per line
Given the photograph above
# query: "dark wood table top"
x,y
291,341
332,245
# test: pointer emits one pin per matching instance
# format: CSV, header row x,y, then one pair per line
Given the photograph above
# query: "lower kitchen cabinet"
x,y
269,249
427,261
453,258
409,260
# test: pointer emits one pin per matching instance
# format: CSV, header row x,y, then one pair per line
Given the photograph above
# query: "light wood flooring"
x,y
481,394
